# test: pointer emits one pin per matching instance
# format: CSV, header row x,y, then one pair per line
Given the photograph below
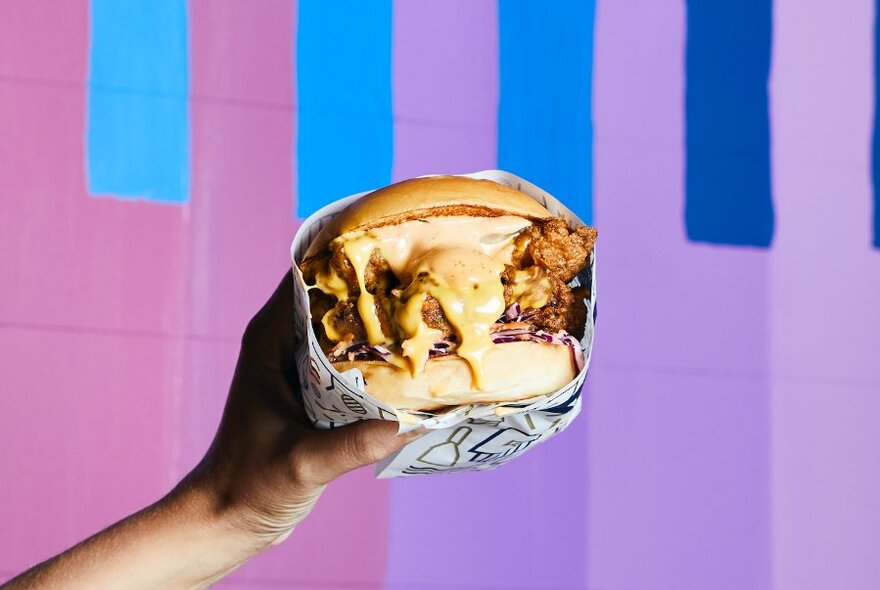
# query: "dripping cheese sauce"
x,y
457,260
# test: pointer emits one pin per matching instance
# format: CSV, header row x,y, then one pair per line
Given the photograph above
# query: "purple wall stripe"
x,y
677,410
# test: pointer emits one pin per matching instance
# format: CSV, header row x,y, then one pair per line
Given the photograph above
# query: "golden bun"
x,y
430,196
512,371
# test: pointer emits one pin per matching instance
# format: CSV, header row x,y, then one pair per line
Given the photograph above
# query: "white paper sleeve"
x,y
464,438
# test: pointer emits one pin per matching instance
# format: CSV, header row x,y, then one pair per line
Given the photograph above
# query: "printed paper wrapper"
x,y
463,438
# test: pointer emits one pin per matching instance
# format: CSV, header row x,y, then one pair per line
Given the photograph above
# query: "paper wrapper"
x,y
463,438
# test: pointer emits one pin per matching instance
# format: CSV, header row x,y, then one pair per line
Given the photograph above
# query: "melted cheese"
x,y
405,244
468,286
417,337
331,283
358,250
331,332
531,287
456,260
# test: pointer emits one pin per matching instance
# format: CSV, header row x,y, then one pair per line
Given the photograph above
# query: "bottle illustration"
x,y
445,454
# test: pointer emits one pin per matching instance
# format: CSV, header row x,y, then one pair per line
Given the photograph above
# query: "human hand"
x,y
262,475
268,465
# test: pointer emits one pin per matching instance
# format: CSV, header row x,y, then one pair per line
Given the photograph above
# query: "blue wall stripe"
x,y
545,129
875,155
343,65
728,123
137,137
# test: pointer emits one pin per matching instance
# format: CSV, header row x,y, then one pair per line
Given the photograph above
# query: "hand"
x,y
267,463
262,475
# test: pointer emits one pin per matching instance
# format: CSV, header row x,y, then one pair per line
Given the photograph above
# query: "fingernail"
x,y
415,433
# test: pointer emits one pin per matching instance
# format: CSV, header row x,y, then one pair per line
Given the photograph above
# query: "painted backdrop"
x,y
155,158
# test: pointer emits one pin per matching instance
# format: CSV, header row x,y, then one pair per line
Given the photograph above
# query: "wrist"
x,y
210,531
208,507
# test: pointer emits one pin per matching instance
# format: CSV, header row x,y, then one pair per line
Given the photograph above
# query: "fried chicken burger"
x,y
448,290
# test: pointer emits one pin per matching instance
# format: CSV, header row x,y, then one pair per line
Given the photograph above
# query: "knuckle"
x,y
302,467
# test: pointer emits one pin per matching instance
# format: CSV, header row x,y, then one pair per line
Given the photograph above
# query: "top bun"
x,y
429,196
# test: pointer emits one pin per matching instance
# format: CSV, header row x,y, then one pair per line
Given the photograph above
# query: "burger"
x,y
449,290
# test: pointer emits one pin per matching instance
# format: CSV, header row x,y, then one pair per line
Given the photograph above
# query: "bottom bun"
x,y
512,371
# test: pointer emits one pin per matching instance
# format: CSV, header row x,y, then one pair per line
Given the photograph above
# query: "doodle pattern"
x,y
475,437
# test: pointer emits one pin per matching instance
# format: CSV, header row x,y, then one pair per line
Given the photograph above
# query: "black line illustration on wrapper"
x,y
414,470
353,405
315,372
568,405
487,421
331,410
446,454
502,444
383,413
483,466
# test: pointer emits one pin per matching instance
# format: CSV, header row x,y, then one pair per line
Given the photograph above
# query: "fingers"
x,y
324,455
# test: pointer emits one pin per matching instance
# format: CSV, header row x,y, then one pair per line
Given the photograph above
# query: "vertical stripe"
x,y
343,66
446,106
544,120
137,140
823,291
677,417
728,124
84,281
875,144
445,87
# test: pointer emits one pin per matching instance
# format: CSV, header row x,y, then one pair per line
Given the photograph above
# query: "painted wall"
x,y
154,162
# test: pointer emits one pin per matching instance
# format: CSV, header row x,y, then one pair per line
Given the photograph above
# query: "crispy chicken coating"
x,y
549,244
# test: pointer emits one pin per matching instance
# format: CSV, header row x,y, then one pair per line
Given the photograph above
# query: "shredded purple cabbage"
x,y
561,337
363,350
515,313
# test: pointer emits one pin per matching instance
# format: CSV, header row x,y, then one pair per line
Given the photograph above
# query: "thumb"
x,y
327,454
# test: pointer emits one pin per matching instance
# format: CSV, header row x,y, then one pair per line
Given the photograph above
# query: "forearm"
x,y
186,540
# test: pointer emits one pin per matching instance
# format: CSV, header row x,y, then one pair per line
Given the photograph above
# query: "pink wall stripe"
x,y
243,133
91,311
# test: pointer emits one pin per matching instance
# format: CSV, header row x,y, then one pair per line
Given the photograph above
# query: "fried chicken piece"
x,y
564,311
340,263
552,245
385,312
434,317
507,279
320,303
549,244
345,319
312,267
378,276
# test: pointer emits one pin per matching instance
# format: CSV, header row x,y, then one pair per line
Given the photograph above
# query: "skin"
x,y
262,475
